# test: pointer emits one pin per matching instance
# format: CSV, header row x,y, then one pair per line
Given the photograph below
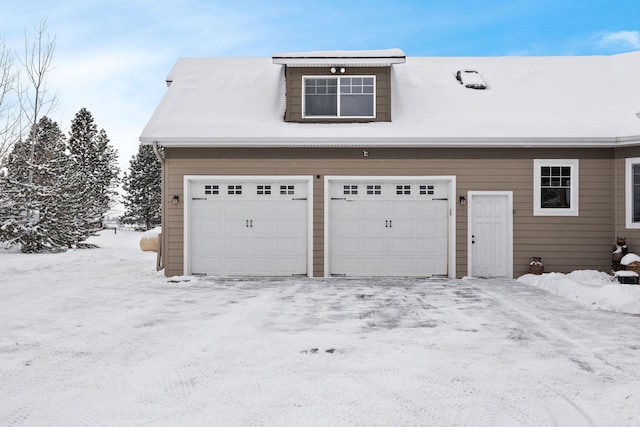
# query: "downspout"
x,y
616,199
161,245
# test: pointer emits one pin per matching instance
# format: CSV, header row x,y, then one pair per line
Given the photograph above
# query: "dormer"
x,y
339,86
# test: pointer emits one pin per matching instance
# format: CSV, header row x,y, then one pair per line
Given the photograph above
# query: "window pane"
x,y
356,105
636,192
545,171
555,198
321,97
321,105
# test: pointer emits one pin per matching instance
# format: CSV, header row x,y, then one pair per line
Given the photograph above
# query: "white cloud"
x,y
620,40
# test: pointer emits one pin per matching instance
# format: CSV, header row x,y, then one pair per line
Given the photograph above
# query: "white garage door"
x,y
388,228
248,228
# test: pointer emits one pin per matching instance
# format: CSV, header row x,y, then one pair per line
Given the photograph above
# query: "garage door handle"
x,y
390,223
251,223
386,223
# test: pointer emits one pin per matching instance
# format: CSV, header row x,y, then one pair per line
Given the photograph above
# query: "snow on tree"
x,y
95,162
36,192
143,190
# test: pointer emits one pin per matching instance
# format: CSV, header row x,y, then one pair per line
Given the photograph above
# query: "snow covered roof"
x,y
529,101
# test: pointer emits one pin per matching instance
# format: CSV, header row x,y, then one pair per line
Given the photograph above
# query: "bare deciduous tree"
x,y
24,94
9,115
35,101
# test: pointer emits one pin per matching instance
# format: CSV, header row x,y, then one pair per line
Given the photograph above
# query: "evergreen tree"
x,y
36,192
143,190
95,161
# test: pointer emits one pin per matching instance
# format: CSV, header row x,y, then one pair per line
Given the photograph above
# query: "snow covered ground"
x,y
98,337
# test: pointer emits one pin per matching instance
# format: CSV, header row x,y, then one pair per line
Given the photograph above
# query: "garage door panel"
x,y
288,229
347,209
292,210
235,245
349,228
263,246
372,227
406,246
375,266
204,244
372,209
404,266
234,265
343,246
290,264
233,209
403,210
292,244
403,228
203,262
372,246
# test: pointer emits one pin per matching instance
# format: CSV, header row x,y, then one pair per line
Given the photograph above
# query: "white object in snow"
x,y
629,259
626,273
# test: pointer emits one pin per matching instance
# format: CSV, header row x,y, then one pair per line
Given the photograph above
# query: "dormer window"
x,y
343,97
338,86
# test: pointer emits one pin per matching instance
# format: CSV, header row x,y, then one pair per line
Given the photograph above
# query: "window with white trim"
x,y
326,96
632,192
555,187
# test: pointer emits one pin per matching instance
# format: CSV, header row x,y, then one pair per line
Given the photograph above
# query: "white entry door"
x,y
490,234
380,228
245,228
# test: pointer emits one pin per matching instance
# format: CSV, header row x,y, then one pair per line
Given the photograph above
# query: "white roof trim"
x,y
341,57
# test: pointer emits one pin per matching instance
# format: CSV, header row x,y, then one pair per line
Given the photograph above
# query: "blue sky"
x,y
112,56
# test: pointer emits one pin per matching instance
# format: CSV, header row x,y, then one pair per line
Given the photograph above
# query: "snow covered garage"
x,y
399,166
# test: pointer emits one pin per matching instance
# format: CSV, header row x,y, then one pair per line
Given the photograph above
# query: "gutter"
x,y
403,142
